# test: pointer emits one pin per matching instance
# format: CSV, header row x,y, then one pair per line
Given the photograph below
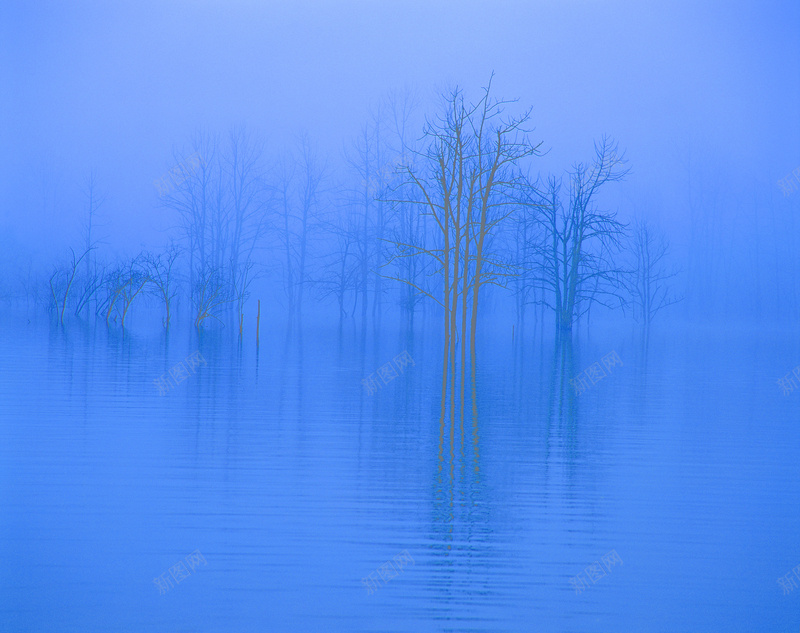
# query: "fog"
x,y
541,185
702,98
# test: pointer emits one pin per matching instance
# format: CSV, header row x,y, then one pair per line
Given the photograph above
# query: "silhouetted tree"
x,y
61,282
339,274
210,295
648,283
299,199
161,272
136,279
576,257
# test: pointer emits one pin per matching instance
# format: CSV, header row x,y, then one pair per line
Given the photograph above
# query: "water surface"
x,y
294,483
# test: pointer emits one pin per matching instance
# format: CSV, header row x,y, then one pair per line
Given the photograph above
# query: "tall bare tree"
x,y
576,259
221,198
248,199
242,278
339,275
406,224
649,280
300,191
197,197
62,279
363,159
92,277
464,184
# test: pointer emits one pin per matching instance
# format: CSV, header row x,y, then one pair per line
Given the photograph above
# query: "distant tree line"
x,y
406,223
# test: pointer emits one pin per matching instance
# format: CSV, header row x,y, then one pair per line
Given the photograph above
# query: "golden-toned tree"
x,y
464,184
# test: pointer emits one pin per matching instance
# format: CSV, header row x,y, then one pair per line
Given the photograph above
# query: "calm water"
x,y
294,484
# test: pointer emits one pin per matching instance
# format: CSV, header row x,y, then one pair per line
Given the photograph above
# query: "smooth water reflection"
x,y
295,484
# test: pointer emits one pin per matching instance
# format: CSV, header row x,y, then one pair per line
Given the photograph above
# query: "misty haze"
x,y
399,316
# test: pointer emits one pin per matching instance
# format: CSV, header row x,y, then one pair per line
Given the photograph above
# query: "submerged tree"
x,y
242,277
299,200
407,226
136,279
161,273
114,283
89,283
339,274
210,295
248,201
196,196
464,184
220,198
576,255
62,279
525,242
648,282
92,277
123,284
366,161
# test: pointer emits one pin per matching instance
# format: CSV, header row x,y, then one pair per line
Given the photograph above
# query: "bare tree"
x,y
248,203
197,198
339,275
91,282
210,295
464,184
123,284
115,282
501,146
221,198
161,273
576,259
525,243
648,282
300,188
62,279
242,278
136,279
92,277
363,160
313,172
286,230
243,163
407,225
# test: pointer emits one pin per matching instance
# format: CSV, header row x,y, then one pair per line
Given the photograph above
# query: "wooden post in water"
x,y
258,321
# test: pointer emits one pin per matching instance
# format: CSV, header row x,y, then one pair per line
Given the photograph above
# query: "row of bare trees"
x,y
110,290
486,223
220,207
430,223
